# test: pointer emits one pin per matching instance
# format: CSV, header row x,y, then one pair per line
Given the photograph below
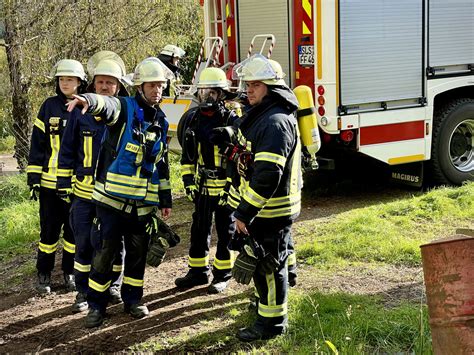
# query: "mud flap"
x,y
407,174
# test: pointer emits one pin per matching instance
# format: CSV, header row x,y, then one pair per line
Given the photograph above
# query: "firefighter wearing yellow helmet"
x,y
42,172
78,157
204,178
132,183
270,191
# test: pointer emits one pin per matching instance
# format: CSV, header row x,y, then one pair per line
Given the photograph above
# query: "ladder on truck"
x,y
265,38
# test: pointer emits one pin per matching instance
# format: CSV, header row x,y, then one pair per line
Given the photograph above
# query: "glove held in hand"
x,y
34,192
156,252
244,266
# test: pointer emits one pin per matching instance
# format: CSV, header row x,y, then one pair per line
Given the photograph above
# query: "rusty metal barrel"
x,y
448,267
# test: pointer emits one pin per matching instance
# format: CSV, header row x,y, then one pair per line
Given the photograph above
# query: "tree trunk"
x,y
21,106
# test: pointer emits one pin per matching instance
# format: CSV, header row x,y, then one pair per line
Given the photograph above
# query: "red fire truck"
x,y
393,80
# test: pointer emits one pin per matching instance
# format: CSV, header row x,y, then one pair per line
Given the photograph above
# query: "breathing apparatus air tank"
x,y
308,126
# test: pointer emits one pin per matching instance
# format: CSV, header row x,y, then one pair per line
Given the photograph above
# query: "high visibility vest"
x,y
133,174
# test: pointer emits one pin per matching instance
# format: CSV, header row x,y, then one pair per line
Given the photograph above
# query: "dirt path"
x,y
29,323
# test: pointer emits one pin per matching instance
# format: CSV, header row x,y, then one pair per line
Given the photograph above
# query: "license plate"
x,y
306,55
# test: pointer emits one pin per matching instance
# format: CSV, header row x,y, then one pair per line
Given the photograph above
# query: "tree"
x,y
38,33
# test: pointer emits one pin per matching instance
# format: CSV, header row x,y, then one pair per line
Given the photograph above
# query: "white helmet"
x,y
259,68
151,69
106,63
173,51
69,67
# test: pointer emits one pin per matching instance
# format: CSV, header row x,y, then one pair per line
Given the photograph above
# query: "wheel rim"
x,y
460,146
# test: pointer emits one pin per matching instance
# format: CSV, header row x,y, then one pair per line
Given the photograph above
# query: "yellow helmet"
x,y
173,51
259,68
69,67
212,78
151,69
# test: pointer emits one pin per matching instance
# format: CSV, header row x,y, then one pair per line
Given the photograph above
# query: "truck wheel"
x,y
452,154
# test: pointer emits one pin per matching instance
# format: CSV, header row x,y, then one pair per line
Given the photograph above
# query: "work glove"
x,y
269,264
34,192
223,136
245,164
156,228
245,265
162,238
191,192
223,196
156,251
64,194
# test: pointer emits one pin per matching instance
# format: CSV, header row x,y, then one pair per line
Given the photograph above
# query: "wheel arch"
x,y
442,98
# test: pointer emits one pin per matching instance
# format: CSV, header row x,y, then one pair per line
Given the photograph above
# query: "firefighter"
x,y
78,156
132,181
204,177
171,55
231,193
42,174
270,192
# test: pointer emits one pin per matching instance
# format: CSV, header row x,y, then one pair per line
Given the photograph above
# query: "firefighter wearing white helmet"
x,y
132,183
78,157
107,70
270,190
171,55
204,179
42,172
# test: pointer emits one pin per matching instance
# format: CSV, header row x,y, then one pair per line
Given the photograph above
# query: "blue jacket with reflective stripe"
x,y
133,173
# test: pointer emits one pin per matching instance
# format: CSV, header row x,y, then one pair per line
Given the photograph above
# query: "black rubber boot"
x,y
217,286
94,318
253,305
192,279
256,333
69,282
80,305
44,283
292,279
136,310
115,297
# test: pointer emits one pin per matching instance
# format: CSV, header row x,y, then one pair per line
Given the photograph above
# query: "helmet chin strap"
x,y
140,91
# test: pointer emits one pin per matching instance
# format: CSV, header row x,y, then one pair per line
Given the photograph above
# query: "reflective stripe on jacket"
x,y
202,163
124,177
48,129
133,173
273,187
80,147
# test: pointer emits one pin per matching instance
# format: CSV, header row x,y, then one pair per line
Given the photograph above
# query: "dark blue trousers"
x,y
108,227
54,217
81,218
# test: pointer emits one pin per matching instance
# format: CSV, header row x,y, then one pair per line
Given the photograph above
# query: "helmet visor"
x,y
167,72
257,67
209,95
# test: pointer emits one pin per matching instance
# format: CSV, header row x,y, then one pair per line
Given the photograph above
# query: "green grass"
x,y
7,145
349,324
353,325
388,232
175,174
19,219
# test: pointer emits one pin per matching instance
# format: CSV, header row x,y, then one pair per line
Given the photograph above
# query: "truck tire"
x,y
452,154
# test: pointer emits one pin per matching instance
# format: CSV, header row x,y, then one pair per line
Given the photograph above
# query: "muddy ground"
x,y
31,323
